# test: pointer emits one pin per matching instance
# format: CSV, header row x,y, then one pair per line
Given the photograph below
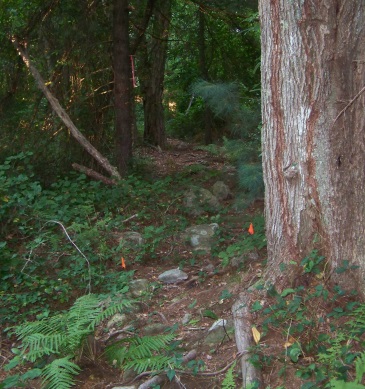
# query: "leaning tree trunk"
x,y
62,114
122,85
313,99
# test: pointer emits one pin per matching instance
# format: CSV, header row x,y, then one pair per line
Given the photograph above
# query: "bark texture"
x,y
313,72
152,74
122,85
242,325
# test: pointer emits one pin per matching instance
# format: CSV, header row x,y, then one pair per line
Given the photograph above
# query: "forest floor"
x,y
215,293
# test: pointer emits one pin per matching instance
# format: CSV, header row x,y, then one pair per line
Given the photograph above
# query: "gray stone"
x,y
172,276
131,239
129,375
155,329
218,323
187,317
201,237
118,320
221,191
138,287
200,200
243,259
218,332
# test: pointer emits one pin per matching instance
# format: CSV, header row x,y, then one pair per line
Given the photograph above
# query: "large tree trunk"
x,y
313,99
122,85
153,72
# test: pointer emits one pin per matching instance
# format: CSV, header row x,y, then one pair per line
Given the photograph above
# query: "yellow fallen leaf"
x,y
256,335
289,342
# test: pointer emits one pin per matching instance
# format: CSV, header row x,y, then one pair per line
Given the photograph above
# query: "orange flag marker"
x,y
123,263
250,229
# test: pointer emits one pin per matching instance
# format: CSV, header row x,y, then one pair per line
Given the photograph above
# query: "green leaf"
x,y
13,363
225,295
345,385
11,382
31,374
286,292
210,314
170,374
192,305
294,353
256,306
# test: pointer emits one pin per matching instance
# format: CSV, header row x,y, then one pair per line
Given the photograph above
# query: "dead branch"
x,y
93,174
56,106
244,339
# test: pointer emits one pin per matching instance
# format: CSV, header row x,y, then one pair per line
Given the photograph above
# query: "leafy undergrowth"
x,y
62,243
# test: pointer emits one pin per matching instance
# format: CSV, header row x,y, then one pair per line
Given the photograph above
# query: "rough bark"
x,y
152,75
56,106
244,340
122,85
313,66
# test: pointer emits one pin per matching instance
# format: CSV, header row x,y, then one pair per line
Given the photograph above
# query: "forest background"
x,y
80,92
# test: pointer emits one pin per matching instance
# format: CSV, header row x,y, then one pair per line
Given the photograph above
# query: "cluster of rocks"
x,y
200,238
196,201
199,200
220,331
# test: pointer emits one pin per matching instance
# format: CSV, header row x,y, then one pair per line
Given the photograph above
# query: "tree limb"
x,y
56,106
93,174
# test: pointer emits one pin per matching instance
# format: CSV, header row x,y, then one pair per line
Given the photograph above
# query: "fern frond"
x,y
60,374
84,311
360,368
144,346
115,352
64,335
110,311
75,340
47,326
39,345
157,362
139,353
228,382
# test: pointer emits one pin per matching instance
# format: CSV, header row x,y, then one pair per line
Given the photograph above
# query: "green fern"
x,y
60,373
345,385
228,382
156,363
62,336
142,353
360,371
360,367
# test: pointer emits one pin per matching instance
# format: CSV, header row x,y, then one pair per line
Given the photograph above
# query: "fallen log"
x,y
93,174
244,340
